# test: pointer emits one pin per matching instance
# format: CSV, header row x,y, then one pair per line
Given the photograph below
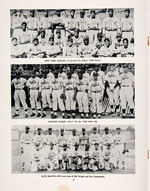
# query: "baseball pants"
x,y
46,98
33,99
82,100
20,96
57,101
126,96
96,105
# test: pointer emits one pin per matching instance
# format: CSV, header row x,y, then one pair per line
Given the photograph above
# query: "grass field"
x,y
16,162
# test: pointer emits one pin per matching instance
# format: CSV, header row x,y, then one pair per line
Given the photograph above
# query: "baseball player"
x,y
120,148
16,49
43,39
71,23
95,156
70,95
50,138
76,158
85,49
70,50
108,158
44,90
51,158
83,139
52,50
26,146
85,157
73,139
33,84
32,24
94,138
127,25
35,50
127,91
61,140
19,96
82,96
57,95
37,163
126,50
112,88
77,40
64,158
107,50
101,75
96,90
92,27
82,24
50,75
117,43
107,138
39,138
58,39
111,25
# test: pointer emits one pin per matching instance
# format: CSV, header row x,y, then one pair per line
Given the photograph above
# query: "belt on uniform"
x,y
96,91
18,88
34,88
27,143
110,30
118,143
125,85
81,91
57,89
69,89
45,88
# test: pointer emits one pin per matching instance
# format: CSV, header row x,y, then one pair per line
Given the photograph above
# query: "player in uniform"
x,y
64,158
73,139
76,157
33,84
126,81
51,158
112,84
26,146
61,140
85,157
111,25
93,27
35,50
50,138
82,24
39,138
82,96
96,90
16,49
70,95
37,163
52,50
94,138
70,50
126,50
106,50
57,95
95,156
85,49
120,148
127,25
19,95
45,84
83,140
108,158
107,138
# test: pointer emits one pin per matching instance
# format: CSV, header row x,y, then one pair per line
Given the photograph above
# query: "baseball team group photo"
x,y
72,33
98,149
73,91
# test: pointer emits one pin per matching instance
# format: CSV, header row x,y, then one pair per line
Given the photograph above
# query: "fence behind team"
x,y
73,148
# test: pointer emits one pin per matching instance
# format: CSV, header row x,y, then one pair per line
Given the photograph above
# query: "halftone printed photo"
x,y
90,91
95,149
74,33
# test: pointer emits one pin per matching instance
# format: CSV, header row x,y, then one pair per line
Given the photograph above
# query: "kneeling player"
x,y
51,160
38,159
108,160
85,158
76,158
95,158
64,158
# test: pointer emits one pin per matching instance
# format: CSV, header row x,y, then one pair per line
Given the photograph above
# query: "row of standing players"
x,y
81,93
76,152
109,39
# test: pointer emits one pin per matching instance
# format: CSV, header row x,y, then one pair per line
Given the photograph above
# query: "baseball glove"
x,y
125,151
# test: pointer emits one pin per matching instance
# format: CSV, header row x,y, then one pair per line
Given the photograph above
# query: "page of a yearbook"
x,y
74,95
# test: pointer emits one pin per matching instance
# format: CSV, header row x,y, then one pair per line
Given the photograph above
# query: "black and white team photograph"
x,y
80,33
99,149
73,91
